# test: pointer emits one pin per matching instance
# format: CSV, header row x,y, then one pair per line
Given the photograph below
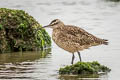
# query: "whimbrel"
x,y
72,38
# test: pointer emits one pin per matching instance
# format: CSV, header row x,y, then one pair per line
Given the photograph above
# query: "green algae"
x,y
21,32
1,27
84,68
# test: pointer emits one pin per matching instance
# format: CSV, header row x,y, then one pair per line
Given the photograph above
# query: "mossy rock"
x,y
84,68
20,31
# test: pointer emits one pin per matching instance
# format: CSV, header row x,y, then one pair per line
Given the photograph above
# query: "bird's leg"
x,y
79,56
72,58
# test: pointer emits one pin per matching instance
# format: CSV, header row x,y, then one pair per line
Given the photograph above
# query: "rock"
x,y
20,31
84,68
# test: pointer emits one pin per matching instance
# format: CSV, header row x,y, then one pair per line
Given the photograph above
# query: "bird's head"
x,y
55,24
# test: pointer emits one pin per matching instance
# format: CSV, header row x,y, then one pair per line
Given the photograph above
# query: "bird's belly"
x,y
68,46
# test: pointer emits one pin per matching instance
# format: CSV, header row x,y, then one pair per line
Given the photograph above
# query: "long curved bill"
x,y
46,26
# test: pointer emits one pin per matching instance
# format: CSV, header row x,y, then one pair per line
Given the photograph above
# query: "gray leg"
x,y
72,58
79,56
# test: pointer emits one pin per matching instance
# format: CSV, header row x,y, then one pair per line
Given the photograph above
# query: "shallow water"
x,y
98,17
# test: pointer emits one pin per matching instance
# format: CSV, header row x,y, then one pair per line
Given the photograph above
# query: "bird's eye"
x,y
53,22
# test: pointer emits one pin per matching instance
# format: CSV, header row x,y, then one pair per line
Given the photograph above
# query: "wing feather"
x,y
80,36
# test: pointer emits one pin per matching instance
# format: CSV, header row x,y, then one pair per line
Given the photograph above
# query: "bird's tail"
x,y
105,41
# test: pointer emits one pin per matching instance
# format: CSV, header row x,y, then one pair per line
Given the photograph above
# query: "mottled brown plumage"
x,y
73,39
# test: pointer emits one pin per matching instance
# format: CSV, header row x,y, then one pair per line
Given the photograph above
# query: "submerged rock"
x,y
84,68
20,31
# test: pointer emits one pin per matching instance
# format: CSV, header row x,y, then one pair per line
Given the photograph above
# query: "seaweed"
x,y
84,68
20,32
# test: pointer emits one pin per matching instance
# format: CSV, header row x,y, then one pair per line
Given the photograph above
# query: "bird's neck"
x,y
59,26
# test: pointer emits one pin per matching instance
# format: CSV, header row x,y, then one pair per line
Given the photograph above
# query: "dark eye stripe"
x,y
54,23
54,20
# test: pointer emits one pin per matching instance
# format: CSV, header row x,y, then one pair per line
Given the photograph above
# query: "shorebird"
x,y
72,38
